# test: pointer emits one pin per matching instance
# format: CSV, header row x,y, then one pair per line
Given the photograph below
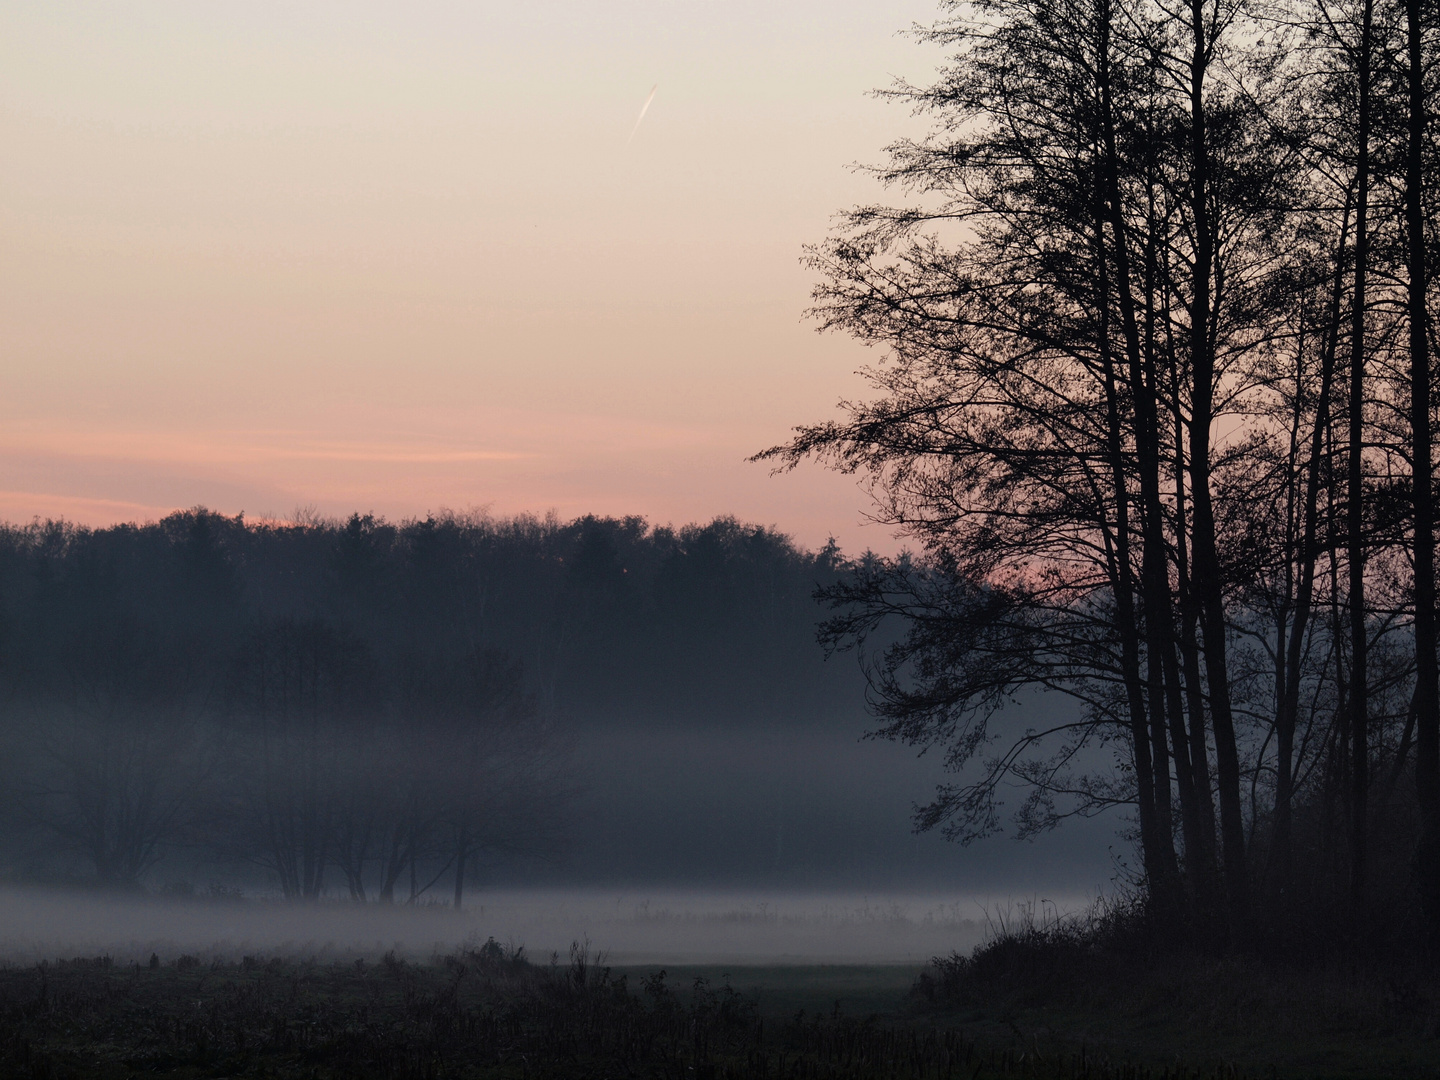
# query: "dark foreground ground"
x,y
483,1013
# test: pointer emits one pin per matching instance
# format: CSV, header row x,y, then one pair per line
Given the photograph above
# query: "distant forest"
x,y
367,706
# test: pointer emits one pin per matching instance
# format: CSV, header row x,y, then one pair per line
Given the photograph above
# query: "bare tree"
x,y
301,687
117,751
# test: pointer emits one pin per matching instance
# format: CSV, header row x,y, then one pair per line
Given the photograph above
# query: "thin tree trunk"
x,y
1122,577
1202,861
1206,575
1355,505
1155,578
1427,692
1289,714
462,852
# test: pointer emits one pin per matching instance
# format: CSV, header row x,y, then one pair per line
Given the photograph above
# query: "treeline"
x,y
1158,317
363,706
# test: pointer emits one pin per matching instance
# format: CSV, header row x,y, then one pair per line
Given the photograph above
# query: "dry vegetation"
x,y
1112,980
484,1012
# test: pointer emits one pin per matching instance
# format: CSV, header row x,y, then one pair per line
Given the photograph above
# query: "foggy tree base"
x,y
384,710
479,1013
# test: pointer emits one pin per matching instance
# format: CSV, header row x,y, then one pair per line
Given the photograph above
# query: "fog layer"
x,y
433,709
818,809
628,927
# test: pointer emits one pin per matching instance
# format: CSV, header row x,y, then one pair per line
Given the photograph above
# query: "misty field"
x,y
631,927
480,1012
488,1011
229,987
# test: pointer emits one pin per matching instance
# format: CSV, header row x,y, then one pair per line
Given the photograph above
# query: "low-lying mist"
x,y
661,927
599,729
808,811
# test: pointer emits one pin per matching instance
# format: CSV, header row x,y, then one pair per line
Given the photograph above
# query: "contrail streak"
x,y
643,110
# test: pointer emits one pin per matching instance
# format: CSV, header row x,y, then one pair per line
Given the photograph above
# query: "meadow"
x,y
1043,995
483,1012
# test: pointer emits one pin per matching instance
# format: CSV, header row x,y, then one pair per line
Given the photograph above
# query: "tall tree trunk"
x,y
462,853
401,842
1151,842
1427,692
1155,577
1206,574
1190,661
1355,503
1200,862
1289,713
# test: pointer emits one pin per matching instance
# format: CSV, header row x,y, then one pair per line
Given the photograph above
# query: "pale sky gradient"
x,y
400,256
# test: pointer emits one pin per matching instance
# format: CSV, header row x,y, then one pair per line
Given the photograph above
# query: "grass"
x,y
779,991
1055,997
484,1012
1099,981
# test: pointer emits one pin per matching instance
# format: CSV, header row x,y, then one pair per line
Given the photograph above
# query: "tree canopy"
x,y
368,705
1153,400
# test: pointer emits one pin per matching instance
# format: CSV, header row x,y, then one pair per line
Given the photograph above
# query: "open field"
x,y
102,988
484,1012
480,1013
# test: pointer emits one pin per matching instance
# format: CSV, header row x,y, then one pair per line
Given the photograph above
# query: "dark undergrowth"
x,y
1111,980
484,1012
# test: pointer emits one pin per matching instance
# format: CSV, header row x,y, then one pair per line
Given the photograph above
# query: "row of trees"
x,y
306,755
1156,403
356,706
609,615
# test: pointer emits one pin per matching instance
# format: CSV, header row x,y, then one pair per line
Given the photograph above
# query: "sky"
x,y
400,257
